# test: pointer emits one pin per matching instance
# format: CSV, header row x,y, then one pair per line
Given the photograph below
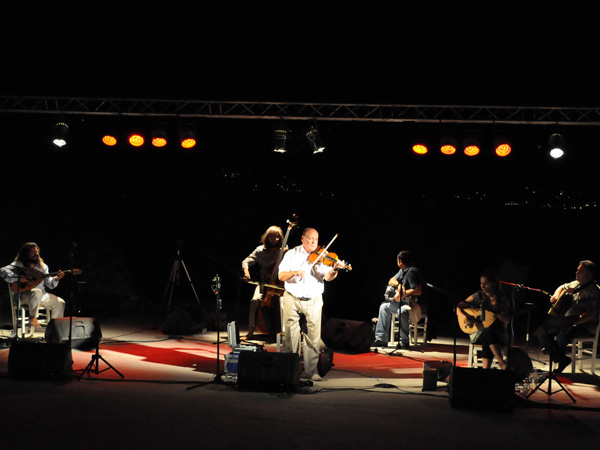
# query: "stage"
x,y
167,397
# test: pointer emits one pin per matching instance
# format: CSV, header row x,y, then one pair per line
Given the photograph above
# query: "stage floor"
x,y
365,400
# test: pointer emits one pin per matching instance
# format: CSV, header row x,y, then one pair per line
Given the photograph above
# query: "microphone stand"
x,y
216,288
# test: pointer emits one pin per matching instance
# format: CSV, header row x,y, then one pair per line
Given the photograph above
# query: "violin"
x,y
328,258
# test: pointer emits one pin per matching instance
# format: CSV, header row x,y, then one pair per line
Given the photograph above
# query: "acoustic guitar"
x,y
479,324
562,303
34,277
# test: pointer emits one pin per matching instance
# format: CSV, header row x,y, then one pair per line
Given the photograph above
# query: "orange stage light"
x,y
503,150
420,149
188,143
137,140
109,140
448,149
159,141
471,150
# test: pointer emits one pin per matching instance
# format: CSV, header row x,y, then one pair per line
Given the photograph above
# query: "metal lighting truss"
x,y
348,112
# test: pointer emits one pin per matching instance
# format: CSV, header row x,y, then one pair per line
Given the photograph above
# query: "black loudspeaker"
x,y
186,320
34,360
482,389
85,331
268,371
348,335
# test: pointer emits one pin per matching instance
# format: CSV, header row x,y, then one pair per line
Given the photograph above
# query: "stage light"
x,y
61,130
448,144
556,144
187,136
472,145
502,145
109,139
136,139
420,148
280,136
315,140
159,139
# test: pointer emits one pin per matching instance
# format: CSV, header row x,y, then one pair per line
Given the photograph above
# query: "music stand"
x,y
551,376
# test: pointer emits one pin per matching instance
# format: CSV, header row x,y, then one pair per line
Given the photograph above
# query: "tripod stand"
x,y
166,303
94,364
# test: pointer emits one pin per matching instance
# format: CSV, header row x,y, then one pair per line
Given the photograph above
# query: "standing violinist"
x,y
406,292
266,256
304,286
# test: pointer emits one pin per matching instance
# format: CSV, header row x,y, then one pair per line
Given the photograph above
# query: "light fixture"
x,y
420,148
187,136
472,146
136,139
159,138
448,143
109,139
280,136
315,139
61,130
502,144
556,145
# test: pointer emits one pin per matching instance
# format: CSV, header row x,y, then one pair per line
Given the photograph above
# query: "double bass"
x,y
268,319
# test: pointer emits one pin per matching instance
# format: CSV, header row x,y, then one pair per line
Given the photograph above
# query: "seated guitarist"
x,y
33,294
496,305
574,314
405,290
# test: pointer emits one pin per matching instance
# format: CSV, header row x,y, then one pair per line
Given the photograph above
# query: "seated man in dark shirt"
x,y
406,292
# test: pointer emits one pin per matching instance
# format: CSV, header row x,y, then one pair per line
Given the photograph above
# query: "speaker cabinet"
x,y
85,331
34,360
268,371
482,389
348,335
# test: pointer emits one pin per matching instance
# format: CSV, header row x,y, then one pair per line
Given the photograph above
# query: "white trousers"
x,y
312,310
34,298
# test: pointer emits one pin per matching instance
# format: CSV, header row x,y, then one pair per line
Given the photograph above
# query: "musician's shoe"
x,y
379,343
563,364
403,346
316,377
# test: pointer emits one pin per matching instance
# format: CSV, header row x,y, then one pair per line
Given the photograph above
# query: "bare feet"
x,y
34,322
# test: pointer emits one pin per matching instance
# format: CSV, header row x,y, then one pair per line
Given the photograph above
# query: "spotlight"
x,y
136,139
471,144
61,130
502,145
556,144
159,139
448,144
187,136
315,140
280,136
420,148
110,140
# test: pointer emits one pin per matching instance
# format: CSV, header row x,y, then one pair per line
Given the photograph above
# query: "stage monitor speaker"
x,y
268,371
34,360
85,331
186,319
348,335
487,389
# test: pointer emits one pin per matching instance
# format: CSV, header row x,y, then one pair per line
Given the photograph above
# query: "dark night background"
x,y
126,209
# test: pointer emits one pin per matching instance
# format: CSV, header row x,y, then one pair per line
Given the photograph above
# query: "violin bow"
x,y
324,251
